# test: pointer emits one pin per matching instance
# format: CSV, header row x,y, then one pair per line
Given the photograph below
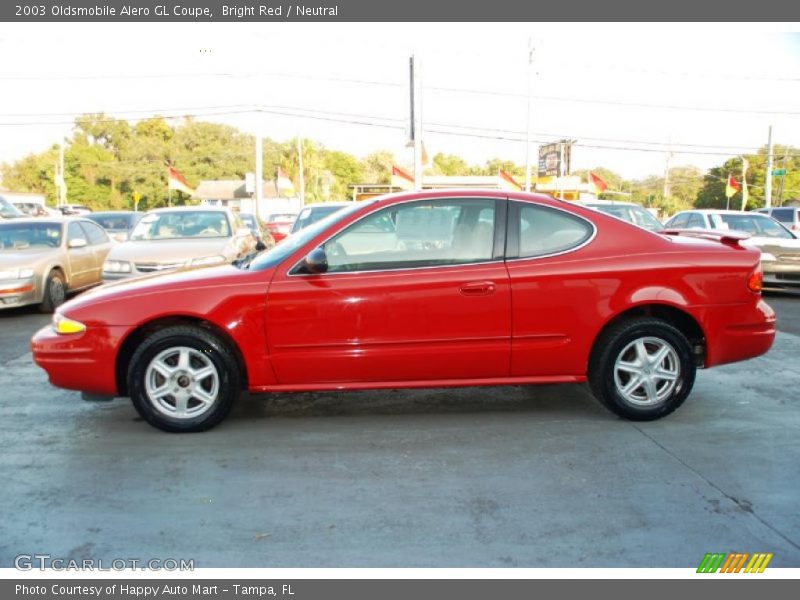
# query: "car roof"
x,y
59,220
111,212
168,209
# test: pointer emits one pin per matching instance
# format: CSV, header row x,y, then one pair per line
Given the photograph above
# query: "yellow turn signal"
x,y
63,325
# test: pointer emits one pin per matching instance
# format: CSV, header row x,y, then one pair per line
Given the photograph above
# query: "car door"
x,y
99,245
554,291
416,291
80,258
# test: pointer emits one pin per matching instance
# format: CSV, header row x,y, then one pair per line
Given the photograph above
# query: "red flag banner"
x,y
509,178
401,178
178,181
599,185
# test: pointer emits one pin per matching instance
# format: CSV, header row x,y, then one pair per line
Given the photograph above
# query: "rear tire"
x,y
642,368
183,379
55,292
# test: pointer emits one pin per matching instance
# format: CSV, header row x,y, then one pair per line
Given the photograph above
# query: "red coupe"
x,y
448,288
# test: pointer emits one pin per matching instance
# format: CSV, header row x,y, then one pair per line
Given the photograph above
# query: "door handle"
x,y
477,288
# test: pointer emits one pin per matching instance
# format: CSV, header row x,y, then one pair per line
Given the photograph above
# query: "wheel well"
x,y
138,335
679,319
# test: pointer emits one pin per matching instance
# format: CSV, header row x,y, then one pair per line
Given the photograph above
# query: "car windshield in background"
x,y
279,252
28,236
281,217
753,224
311,215
248,220
111,222
633,214
181,225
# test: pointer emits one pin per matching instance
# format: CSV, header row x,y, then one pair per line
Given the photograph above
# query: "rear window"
x,y
784,215
112,222
310,215
753,224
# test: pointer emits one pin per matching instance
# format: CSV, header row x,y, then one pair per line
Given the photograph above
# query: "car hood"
x,y
21,259
167,251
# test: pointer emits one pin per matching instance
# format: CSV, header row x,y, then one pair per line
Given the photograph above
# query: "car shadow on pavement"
x,y
552,401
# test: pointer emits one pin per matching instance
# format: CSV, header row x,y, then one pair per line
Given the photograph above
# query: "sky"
x,y
628,93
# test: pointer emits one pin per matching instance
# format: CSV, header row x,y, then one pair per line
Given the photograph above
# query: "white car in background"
x,y
780,248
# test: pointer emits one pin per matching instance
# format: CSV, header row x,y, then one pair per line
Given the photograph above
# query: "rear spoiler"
x,y
731,238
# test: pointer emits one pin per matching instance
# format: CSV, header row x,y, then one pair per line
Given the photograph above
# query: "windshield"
x,y
111,222
25,236
7,210
633,214
754,224
312,214
279,252
182,225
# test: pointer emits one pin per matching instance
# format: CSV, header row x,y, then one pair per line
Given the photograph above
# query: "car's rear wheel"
x,y
55,291
183,379
642,368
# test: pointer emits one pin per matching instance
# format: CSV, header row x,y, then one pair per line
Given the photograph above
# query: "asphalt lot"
x,y
494,477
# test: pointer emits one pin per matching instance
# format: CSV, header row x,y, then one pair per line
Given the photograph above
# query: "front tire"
x,y
642,369
55,292
183,379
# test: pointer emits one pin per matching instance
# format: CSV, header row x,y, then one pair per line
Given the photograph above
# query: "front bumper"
x,y
83,361
19,292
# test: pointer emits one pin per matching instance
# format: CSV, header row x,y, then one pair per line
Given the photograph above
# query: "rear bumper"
x,y
738,332
84,361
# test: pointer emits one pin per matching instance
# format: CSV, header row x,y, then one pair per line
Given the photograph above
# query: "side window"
x,y
74,232
680,221
544,231
696,221
416,234
94,234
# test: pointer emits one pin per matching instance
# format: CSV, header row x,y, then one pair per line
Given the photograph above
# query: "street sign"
x,y
778,172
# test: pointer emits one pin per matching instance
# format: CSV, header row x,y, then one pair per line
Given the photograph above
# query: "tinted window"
x,y
94,234
696,221
24,236
545,231
679,221
112,222
784,215
417,234
313,214
753,224
182,224
74,232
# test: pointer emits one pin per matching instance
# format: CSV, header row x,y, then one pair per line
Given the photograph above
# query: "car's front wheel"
x,y
642,368
183,379
55,291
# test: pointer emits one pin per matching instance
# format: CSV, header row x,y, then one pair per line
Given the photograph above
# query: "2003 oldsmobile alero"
x,y
455,288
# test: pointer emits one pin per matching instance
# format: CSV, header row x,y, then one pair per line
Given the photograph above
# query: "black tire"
x,y
55,291
623,337
208,347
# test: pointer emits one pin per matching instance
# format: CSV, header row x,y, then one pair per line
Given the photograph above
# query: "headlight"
x,y
207,260
766,256
117,266
65,326
19,274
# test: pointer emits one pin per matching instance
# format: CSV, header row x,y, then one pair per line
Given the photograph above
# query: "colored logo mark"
x,y
735,562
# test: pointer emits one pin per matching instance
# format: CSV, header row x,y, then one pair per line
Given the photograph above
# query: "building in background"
x,y
233,194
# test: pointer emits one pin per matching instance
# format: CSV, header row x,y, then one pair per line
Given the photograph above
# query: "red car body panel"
x,y
508,321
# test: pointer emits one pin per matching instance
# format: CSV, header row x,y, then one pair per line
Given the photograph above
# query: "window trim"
x,y
499,244
514,225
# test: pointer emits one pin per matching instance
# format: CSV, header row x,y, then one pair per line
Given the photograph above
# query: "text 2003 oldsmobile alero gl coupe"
x,y
455,288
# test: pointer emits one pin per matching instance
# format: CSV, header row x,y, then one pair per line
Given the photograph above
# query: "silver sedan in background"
x,y
44,259
167,239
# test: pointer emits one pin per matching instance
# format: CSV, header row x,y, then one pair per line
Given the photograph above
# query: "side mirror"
x,y
316,262
77,243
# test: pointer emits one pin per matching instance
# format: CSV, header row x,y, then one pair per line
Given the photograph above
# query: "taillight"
x,y
756,280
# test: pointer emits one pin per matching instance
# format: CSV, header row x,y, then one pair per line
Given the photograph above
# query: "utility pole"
x,y
260,173
302,175
415,97
62,182
531,50
768,175
665,193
